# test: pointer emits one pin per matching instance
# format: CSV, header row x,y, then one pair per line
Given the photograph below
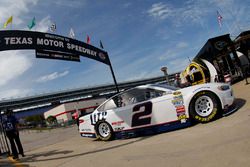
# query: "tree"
x,y
51,119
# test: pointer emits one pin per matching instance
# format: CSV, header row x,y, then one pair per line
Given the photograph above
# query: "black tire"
x,y
204,107
104,131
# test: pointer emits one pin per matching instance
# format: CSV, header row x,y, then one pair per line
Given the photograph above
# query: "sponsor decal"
x,y
95,117
118,123
208,118
178,102
180,109
119,128
182,116
86,130
102,56
87,135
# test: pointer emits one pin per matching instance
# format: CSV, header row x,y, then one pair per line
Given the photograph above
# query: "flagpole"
x,y
113,75
235,21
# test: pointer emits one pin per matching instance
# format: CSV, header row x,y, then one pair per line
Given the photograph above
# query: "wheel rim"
x,y
104,130
204,106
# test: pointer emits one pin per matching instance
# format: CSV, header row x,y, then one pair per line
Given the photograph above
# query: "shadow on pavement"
x,y
239,103
34,157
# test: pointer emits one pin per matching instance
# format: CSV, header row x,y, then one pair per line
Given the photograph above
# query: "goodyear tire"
x,y
204,107
104,131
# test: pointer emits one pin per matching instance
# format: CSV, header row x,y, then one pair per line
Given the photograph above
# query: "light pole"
x,y
165,71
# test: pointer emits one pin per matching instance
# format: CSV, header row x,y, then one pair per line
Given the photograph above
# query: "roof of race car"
x,y
164,86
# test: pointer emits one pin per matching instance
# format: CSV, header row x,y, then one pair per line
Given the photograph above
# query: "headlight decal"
x,y
223,87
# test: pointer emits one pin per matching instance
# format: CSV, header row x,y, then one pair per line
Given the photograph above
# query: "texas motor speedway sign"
x,y
50,46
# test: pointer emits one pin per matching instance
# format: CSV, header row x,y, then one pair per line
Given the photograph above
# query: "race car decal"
x,y
95,117
142,114
178,102
86,130
119,128
180,109
118,123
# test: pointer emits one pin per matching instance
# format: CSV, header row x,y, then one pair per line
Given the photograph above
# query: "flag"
x,y
71,33
52,27
32,23
101,44
8,22
88,40
219,18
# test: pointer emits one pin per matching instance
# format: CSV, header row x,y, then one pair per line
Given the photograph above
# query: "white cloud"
x,y
192,12
169,54
69,4
15,8
182,45
43,25
174,52
160,10
12,65
198,12
52,76
177,65
14,93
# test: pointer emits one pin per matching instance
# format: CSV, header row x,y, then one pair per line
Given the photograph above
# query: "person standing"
x,y
177,81
10,125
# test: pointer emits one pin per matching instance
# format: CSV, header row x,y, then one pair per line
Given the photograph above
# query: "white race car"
x,y
155,108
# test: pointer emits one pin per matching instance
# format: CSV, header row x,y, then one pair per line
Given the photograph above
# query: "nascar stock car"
x,y
156,108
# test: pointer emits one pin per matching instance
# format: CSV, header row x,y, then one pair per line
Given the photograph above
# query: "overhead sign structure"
x,y
52,46
17,39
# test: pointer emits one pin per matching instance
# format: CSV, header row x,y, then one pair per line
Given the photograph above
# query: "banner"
x,y
46,42
56,55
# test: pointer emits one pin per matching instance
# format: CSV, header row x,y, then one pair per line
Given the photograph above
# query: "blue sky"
x,y
140,36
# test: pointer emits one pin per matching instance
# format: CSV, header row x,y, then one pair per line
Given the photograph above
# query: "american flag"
x,y
219,18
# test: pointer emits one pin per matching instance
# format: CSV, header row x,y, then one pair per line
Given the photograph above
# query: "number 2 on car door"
x,y
142,114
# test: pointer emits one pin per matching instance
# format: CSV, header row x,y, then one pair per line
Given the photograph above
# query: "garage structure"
x,y
242,44
219,60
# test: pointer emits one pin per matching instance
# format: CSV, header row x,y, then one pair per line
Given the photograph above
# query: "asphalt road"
x,y
223,143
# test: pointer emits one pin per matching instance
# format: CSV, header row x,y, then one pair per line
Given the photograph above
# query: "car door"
x,y
163,110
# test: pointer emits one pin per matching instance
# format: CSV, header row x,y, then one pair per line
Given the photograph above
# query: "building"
x,y
217,61
242,45
70,111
